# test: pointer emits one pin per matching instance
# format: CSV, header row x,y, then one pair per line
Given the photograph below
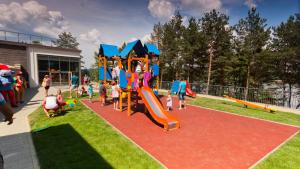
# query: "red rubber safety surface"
x,y
207,138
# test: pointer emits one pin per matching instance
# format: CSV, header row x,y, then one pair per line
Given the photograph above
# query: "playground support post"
x,y
121,101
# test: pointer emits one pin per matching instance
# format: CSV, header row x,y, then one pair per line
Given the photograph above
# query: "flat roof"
x,y
38,46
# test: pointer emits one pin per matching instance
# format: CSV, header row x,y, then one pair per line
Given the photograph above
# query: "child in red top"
x,y
60,100
19,87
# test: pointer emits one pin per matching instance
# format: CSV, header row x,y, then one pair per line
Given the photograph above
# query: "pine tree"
x,y
252,36
194,51
66,40
285,47
217,33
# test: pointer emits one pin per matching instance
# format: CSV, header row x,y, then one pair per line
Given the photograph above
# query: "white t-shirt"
x,y
51,102
115,91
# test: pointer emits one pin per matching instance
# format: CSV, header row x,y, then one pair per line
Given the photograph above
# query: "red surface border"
x,y
207,138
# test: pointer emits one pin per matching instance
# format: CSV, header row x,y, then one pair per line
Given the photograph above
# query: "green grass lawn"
x,y
287,156
80,139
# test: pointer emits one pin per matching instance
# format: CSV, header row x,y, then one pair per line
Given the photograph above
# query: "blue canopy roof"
x,y
108,50
152,49
136,45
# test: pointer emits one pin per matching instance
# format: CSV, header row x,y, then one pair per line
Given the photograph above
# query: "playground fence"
x,y
273,96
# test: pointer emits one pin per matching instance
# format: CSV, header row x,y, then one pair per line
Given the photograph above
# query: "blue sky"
x,y
115,21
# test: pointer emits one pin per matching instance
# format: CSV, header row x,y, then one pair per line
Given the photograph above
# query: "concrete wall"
x,y
11,54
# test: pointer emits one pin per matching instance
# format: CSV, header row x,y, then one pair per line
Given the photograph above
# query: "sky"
x,y
116,21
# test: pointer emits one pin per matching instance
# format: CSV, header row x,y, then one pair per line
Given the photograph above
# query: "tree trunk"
x,y
209,72
247,81
290,95
283,94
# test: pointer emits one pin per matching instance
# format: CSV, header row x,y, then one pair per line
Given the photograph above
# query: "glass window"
x,y
43,65
54,65
64,66
74,66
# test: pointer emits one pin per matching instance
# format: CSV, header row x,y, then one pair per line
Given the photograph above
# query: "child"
x,y
169,102
102,92
60,100
19,88
82,91
90,91
115,94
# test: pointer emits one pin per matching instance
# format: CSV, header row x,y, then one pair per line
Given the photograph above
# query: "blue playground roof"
x,y
108,50
136,45
152,49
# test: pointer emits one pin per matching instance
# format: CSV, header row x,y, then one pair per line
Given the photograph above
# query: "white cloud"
x,y
250,3
201,5
146,38
161,9
93,37
32,15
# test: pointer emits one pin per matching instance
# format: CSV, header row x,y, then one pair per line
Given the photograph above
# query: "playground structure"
x,y
137,76
175,87
248,104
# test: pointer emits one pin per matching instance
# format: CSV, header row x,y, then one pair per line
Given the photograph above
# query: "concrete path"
x,y
16,143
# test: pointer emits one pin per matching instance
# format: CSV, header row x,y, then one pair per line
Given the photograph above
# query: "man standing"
x,y
74,84
181,93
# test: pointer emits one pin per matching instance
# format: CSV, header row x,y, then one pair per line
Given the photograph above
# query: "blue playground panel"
x,y
155,69
108,50
151,49
101,73
175,87
123,80
136,45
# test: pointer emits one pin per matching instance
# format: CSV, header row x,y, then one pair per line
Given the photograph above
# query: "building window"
x,y
58,67
43,65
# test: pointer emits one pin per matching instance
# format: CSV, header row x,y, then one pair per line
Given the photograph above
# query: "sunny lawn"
x,y
80,139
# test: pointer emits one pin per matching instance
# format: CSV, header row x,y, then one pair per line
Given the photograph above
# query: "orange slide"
x,y
156,110
189,91
246,104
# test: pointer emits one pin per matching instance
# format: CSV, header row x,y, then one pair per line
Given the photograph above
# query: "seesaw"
x,y
248,104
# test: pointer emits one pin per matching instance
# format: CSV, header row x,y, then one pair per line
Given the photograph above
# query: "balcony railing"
x,y
26,38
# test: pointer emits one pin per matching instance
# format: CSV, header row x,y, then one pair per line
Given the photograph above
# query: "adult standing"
x,y
46,84
181,94
74,84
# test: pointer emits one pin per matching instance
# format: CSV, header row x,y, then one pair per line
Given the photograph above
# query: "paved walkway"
x,y
16,143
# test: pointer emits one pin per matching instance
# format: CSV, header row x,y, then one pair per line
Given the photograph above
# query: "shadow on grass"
x,y
62,147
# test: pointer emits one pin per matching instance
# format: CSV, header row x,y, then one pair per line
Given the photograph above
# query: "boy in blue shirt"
x,y
74,84
181,93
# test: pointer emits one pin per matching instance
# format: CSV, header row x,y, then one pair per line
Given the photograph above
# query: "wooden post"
x,y
147,63
104,60
129,92
121,101
157,78
129,104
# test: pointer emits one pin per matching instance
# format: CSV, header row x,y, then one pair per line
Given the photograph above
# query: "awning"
x,y
152,49
108,50
136,46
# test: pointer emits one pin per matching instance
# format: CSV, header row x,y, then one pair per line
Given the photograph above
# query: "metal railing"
x,y
266,96
26,38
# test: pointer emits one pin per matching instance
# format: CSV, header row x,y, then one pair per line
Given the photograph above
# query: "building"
x,y
39,57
